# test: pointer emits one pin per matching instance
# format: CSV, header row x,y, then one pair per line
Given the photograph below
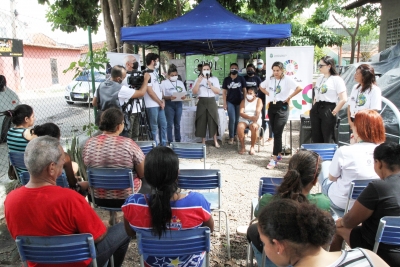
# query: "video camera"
x,y
137,77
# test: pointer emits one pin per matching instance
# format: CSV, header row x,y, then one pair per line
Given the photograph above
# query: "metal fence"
x,y
37,79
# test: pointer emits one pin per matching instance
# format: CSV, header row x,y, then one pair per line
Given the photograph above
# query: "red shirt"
x,y
49,211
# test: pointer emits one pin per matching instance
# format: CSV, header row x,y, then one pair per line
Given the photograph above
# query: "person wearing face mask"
x,y
280,89
206,87
112,93
173,109
234,90
250,116
259,70
154,100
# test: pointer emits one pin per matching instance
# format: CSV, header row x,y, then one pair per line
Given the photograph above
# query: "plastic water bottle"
x,y
190,91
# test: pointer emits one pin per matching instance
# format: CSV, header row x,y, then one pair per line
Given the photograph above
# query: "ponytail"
x,y
19,114
292,187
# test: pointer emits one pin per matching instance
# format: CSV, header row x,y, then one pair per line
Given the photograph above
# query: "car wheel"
x,y
70,103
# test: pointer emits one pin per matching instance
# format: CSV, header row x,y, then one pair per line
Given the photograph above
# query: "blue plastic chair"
x,y
109,179
190,151
56,249
388,232
61,180
326,151
356,187
17,161
208,179
174,243
146,146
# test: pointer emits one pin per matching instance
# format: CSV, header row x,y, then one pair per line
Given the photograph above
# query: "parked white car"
x,y
80,90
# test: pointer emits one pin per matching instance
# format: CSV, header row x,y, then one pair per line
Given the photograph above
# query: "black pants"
x,y
278,115
254,237
323,122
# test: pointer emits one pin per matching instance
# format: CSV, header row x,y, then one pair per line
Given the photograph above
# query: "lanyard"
x,y
157,77
176,86
322,81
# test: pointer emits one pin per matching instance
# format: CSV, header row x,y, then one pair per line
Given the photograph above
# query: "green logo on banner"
x,y
271,55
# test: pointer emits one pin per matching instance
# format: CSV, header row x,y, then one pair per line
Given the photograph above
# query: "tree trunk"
x,y
127,22
155,11
135,12
353,48
116,17
178,8
108,26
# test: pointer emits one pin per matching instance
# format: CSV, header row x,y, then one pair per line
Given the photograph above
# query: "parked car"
x,y
80,90
8,101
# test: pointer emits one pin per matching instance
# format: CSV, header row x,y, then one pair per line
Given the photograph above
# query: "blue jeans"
x,y
258,256
233,114
115,243
158,124
325,188
173,113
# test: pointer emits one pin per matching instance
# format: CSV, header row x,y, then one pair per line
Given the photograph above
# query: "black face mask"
x,y
250,72
234,72
135,65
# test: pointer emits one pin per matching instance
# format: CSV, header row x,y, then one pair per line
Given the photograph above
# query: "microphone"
x,y
207,76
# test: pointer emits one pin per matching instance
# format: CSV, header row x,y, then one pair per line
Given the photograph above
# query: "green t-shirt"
x,y
319,199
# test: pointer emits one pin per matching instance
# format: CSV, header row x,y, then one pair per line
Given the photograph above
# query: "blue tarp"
x,y
207,29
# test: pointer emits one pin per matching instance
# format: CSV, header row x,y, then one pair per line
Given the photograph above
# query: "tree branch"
x,y
344,27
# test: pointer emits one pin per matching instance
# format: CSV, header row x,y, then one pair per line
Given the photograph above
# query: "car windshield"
x,y
86,77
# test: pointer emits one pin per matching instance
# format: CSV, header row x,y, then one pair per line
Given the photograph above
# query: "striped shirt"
x,y
187,213
16,140
356,257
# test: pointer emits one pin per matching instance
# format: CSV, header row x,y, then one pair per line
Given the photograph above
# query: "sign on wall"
x,y
11,48
298,64
220,65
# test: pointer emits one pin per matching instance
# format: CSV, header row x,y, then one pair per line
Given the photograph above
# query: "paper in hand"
x,y
178,96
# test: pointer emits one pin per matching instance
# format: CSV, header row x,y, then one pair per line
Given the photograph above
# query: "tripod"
x,y
144,123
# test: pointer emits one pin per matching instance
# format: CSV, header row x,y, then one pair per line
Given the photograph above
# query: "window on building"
x,y
393,32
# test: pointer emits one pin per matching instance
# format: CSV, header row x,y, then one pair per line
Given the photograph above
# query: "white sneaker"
x,y
272,164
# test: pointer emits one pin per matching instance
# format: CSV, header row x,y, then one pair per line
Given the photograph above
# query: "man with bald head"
x,y
41,208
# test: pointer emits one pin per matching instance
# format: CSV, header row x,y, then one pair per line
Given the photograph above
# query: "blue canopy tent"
x,y
207,29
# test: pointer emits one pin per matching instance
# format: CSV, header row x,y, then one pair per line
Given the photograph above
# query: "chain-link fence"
x,y
36,78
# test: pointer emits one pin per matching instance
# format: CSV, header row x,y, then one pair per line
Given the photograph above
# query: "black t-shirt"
x,y
255,81
383,197
235,89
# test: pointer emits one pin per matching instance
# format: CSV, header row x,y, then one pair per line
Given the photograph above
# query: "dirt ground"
x,y
240,178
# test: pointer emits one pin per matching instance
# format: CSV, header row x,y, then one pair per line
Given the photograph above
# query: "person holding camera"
x,y
280,89
206,87
112,93
154,99
173,109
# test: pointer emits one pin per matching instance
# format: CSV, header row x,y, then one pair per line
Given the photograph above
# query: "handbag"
x,y
11,173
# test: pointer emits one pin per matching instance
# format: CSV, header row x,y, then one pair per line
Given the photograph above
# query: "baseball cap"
x,y
260,61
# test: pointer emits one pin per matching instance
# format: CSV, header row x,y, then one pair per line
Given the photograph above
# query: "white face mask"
x,y
205,72
250,97
157,65
173,78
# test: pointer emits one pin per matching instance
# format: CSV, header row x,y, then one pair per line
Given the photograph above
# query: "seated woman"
x,y
250,111
380,198
354,162
166,208
70,167
304,168
19,136
109,150
295,234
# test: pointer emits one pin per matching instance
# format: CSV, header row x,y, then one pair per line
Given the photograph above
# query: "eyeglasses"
x,y
320,65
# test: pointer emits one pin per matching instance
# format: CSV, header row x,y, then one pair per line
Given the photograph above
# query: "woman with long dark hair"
x,y
166,208
328,89
296,234
302,175
380,198
365,94
280,89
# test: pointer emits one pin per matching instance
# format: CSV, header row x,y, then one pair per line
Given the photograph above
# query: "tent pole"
x,y
144,55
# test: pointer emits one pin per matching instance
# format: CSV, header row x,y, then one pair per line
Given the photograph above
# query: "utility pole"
x,y
18,72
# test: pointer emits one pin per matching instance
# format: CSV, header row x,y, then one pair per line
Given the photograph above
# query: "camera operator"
x,y
154,100
132,66
112,93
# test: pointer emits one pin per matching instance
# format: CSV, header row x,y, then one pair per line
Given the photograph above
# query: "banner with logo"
x,y
11,48
298,64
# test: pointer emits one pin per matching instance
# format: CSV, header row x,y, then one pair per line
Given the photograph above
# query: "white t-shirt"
x,y
204,90
328,89
279,90
150,103
355,162
125,82
169,88
125,94
370,99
